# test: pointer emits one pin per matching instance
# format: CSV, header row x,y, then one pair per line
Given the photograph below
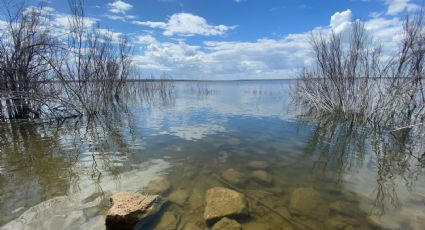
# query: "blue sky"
x,y
235,39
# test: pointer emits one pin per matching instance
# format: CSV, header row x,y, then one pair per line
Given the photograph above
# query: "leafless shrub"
x,y
25,53
354,81
75,74
340,81
94,65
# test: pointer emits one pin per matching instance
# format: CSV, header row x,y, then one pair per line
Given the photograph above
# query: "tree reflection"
x,y
341,147
50,159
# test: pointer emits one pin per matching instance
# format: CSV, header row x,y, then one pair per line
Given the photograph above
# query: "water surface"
x,y
61,175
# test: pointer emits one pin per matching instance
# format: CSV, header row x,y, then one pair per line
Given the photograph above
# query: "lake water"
x,y
61,175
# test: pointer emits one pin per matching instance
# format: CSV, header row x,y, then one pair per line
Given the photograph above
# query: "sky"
x,y
235,39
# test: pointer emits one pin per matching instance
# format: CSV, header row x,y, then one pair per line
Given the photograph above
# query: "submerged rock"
x,y
227,224
262,177
179,197
159,186
168,221
262,165
233,176
128,209
308,202
223,202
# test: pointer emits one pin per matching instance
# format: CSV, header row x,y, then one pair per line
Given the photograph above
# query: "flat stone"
x,y
129,209
262,177
258,165
223,202
168,221
308,202
227,224
179,197
233,176
159,186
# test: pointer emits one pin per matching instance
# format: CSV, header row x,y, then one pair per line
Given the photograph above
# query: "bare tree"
x,y
94,65
351,78
25,47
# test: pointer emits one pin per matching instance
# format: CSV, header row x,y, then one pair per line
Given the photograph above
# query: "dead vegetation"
x,y
43,73
354,78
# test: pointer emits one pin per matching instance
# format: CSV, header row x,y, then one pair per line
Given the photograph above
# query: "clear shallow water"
x,y
60,176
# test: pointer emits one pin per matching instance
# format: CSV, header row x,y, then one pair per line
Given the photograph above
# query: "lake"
x,y
296,172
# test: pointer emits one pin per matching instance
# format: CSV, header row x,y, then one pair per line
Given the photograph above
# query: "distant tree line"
x,y
354,78
73,71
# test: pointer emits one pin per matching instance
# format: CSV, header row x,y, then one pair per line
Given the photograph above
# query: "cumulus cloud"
x,y
399,6
185,24
119,6
263,58
340,21
62,21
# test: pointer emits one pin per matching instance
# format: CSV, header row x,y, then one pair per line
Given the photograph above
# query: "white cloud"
x,y
62,21
186,24
340,21
119,6
146,39
263,58
399,6
120,17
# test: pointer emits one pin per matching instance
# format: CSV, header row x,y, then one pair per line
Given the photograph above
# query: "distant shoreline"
x,y
210,80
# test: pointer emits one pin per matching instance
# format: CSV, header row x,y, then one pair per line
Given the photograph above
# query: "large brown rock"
x,y
129,209
308,202
223,202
